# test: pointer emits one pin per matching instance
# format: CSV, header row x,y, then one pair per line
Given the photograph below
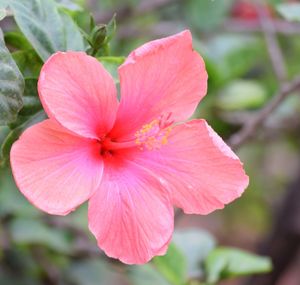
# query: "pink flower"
x,y
134,159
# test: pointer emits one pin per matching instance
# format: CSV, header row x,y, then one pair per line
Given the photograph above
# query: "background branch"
x,y
252,26
250,128
274,49
285,88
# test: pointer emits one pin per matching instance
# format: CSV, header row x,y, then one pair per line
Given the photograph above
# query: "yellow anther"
x,y
153,135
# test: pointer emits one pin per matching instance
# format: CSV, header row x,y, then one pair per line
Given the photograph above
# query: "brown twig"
x,y
253,26
274,49
251,127
285,88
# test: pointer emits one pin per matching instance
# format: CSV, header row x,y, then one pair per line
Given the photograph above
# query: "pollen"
x,y
153,135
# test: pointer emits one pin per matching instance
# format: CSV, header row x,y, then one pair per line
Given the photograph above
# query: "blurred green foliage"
x,y
290,12
241,81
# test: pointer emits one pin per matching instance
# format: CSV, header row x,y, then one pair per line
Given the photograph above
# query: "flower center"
x,y
151,136
155,134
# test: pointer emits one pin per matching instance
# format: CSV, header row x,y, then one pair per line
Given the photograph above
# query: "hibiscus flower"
x,y
133,160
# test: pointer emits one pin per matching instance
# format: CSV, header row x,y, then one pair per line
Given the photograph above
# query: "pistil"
x,y
112,145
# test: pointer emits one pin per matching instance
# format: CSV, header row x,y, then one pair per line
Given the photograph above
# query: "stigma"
x,y
154,134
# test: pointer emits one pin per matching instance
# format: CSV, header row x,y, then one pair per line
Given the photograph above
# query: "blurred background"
x,y
252,54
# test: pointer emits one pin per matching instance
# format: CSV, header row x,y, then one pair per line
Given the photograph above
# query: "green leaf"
x,y
69,5
31,113
172,266
289,11
195,244
33,231
46,29
145,275
4,130
92,272
16,40
226,262
241,94
41,24
28,62
31,99
11,87
12,202
111,64
32,104
72,35
17,131
111,28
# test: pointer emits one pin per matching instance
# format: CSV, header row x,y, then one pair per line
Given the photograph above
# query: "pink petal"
x,y
130,217
197,167
54,169
161,77
79,93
